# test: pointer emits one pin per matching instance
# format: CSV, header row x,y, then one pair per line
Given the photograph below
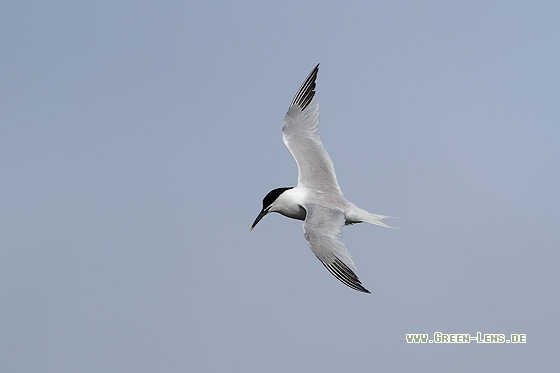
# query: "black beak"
x,y
261,215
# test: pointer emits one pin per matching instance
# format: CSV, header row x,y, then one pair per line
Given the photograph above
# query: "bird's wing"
x,y
323,230
301,137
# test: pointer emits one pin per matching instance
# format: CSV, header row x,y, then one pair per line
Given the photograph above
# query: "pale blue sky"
x,y
137,140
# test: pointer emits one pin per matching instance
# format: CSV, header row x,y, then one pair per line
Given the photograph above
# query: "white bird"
x,y
317,198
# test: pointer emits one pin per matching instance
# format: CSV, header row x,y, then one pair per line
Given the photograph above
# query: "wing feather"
x,y
323,231
301,137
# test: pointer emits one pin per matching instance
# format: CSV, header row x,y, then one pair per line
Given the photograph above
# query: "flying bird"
x,y
317,198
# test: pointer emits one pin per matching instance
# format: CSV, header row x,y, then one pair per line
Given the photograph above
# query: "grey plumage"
x,y
317,198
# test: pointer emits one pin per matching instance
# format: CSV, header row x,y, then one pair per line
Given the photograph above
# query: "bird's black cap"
x,y
273,195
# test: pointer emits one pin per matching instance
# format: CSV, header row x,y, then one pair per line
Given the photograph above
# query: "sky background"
x,y
137,140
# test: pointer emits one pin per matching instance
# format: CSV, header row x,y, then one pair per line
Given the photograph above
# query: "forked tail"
x,y
376,219
354,214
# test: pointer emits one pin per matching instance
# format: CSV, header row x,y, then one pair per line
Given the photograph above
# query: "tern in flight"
x,y
317,198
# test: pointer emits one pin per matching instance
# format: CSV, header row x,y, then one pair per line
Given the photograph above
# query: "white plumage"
x,y
317,198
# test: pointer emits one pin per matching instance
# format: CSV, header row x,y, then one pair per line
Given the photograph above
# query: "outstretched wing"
x,y
323,230
301,137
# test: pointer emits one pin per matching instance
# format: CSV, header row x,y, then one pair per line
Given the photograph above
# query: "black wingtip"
x,y
345,275
306,92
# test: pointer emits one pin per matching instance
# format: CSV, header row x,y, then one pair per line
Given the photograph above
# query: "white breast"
x,y
289,203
